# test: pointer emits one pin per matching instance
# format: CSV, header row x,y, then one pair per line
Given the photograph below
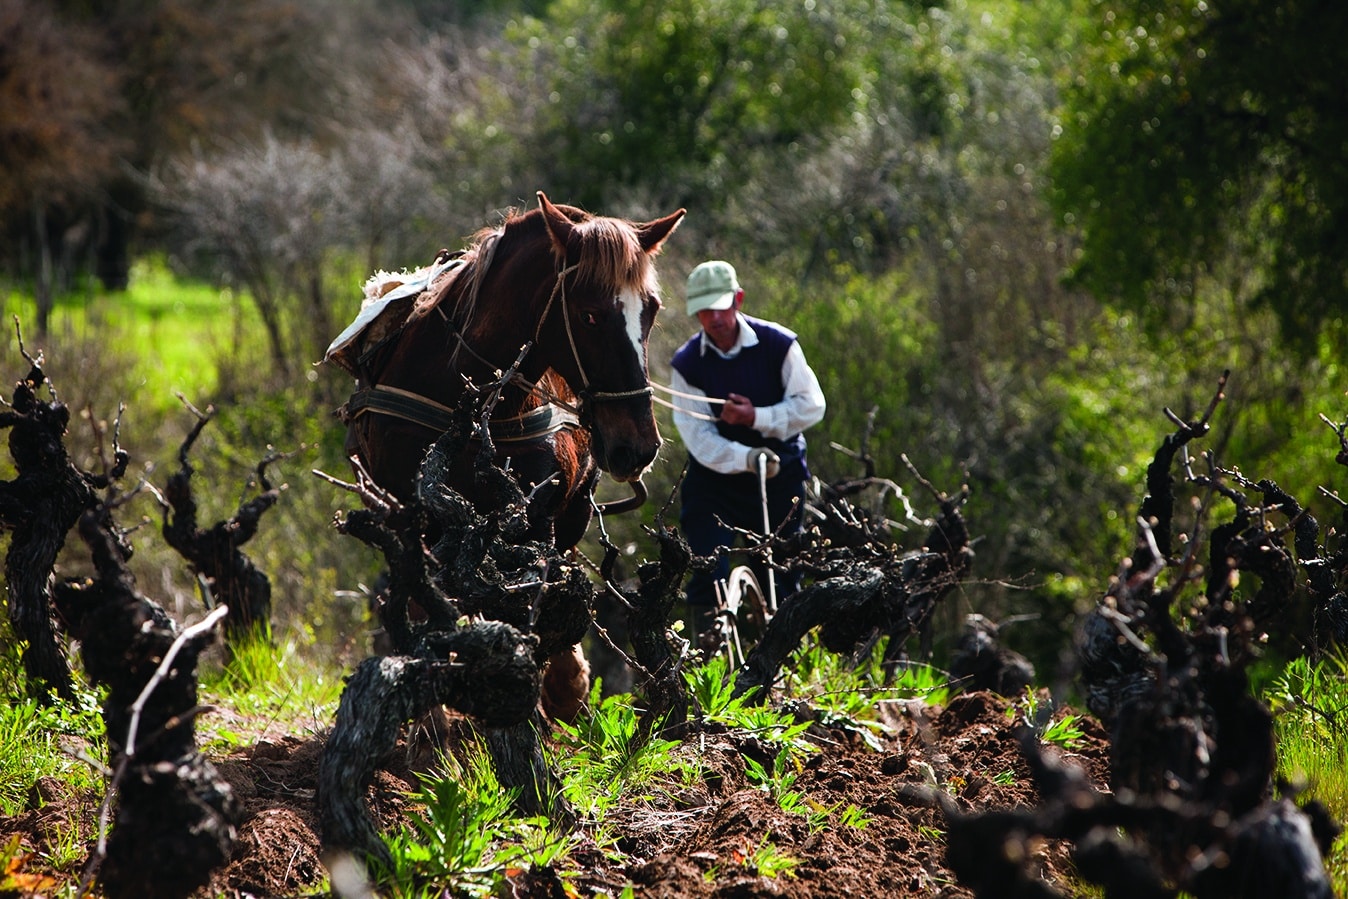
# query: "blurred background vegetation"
x,y
1019,231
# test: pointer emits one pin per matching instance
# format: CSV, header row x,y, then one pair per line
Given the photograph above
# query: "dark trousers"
x,y
714,503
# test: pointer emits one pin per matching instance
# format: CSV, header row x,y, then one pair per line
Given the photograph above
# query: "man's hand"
x,y
763,453
737,410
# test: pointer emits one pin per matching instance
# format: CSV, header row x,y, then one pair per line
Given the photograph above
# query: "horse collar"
x,y
527,427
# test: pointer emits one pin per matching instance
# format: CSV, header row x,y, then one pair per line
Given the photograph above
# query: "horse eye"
x,y
591,319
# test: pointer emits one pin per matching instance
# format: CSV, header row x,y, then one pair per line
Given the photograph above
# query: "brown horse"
x,y
580,293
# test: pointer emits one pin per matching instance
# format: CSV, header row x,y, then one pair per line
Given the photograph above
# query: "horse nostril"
x,y
647,458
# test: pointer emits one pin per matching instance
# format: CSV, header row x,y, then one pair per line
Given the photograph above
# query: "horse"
x,y
564,297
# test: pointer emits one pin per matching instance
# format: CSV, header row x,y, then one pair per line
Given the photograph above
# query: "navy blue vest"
x,y
756,373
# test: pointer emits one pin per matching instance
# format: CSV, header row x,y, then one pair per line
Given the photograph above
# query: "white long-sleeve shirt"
x,y
801,407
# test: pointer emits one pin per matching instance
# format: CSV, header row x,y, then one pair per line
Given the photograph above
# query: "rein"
x,y
548,396
701,416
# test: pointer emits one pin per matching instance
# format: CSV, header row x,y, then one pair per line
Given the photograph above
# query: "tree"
x,y
99,93
58,139
1198,133
684,94
275,218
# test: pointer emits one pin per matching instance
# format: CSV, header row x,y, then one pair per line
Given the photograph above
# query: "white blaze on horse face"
x,y
632,304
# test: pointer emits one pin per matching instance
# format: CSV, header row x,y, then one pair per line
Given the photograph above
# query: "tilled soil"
x,y
699,842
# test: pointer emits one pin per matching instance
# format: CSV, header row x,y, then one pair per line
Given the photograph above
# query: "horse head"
x,y
607,297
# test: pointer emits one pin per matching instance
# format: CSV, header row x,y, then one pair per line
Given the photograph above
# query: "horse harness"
x,y
529,427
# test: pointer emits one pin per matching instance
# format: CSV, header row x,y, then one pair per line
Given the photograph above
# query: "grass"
x,y
603,764
1057,729
267,690
43,741
1310,701
712,686
465,838
186,328
854,689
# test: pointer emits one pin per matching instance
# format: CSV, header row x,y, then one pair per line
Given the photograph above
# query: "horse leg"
x,y
571,518
566,684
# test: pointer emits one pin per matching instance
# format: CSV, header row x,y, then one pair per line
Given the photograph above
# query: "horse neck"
x,y
436,352
503,312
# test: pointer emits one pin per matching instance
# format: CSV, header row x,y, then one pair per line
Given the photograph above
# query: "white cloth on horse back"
x,y
802,406
377,296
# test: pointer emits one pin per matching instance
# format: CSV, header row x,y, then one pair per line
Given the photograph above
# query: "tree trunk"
x,y
43,288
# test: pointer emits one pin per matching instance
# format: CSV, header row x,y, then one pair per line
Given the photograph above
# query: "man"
x,y
762,395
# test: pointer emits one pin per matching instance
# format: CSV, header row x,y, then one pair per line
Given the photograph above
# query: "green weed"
x,y
467,837
764,860
451,842
767,860
853,689
1309,701
48,741
854,817
1064,731
712,685
603,761
271,688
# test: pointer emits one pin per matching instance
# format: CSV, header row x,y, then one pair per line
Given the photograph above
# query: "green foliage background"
x,y
1004,226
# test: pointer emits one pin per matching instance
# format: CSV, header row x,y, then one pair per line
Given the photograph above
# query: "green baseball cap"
x,y
712,285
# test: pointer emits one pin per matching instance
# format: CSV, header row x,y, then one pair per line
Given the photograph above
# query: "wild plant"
x,y
852,816
767,860
603,759
712,685
764,860
778,783
466,837
275,686
1063,731
853,688
1309,700
48,741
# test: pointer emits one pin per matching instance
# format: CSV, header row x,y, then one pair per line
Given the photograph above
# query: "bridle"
x,y
587,396
585,393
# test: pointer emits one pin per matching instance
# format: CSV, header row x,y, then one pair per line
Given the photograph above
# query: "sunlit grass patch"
x,y
179,330
1309,700
465,835
604,761
267,690
65,741
853,689
48,741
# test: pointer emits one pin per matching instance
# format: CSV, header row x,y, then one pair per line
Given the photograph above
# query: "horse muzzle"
x,y
625,456
626,438
625,461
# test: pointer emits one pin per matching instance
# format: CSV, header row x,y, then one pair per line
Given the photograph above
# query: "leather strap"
x,y
531,426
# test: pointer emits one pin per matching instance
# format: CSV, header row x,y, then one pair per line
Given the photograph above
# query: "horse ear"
x,y
559,226
653,234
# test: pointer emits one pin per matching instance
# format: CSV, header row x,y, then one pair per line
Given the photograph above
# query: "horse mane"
x,y
610,253
462,282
